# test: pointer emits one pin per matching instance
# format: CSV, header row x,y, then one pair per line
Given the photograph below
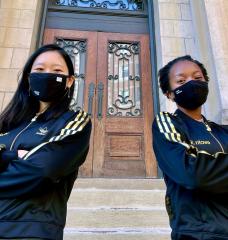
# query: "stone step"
x,y
110,183
117,234
116,198
117,218
116,237
117,209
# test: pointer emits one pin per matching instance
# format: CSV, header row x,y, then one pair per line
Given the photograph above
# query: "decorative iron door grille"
x,y
77,52
124,82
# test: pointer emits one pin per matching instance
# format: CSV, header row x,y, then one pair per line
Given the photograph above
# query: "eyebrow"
x,y
40,63
179,75
182,74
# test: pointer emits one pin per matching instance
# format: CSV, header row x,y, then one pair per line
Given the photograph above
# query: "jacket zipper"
x,y
216,139
14,140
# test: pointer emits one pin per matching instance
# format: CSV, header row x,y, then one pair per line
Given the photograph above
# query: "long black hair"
x,y
23,105
163,73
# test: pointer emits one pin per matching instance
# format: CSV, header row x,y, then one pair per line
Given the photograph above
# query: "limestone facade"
x,y
179,32
176,34
18,29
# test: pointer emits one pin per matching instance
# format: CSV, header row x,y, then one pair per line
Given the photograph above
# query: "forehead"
x,y
51,58
184,68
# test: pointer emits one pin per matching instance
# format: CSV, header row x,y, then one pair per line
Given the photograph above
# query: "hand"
x,y
21,153
2,147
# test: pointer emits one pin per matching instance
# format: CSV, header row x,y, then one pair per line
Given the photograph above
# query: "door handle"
x,y
100,100
90,100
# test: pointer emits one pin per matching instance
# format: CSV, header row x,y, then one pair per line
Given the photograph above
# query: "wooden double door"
x,y
113,84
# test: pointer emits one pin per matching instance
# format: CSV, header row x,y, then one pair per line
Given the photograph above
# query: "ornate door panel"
x,y
122,134
113,83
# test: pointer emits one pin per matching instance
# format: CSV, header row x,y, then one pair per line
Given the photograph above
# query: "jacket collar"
x,y
186,117
47,115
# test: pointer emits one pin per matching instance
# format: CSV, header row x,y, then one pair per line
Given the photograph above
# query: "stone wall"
x,y
177,36
18,26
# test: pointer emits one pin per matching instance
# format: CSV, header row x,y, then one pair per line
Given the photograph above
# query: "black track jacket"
x,y
34,189
193,157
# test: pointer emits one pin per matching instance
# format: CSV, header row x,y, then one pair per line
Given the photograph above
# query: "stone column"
x,y
217,13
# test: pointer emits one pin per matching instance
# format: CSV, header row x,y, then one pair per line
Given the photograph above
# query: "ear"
x,y
70,81
170,95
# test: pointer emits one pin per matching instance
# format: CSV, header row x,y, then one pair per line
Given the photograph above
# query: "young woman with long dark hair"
x,y
43,142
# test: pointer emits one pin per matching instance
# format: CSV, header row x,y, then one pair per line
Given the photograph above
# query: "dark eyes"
x,y
40,69
181,81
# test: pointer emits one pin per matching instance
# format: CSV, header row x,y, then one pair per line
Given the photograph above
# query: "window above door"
x,y
115,7
130,5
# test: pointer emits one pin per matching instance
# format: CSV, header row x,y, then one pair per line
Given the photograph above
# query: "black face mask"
x,y
192,94
47,87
